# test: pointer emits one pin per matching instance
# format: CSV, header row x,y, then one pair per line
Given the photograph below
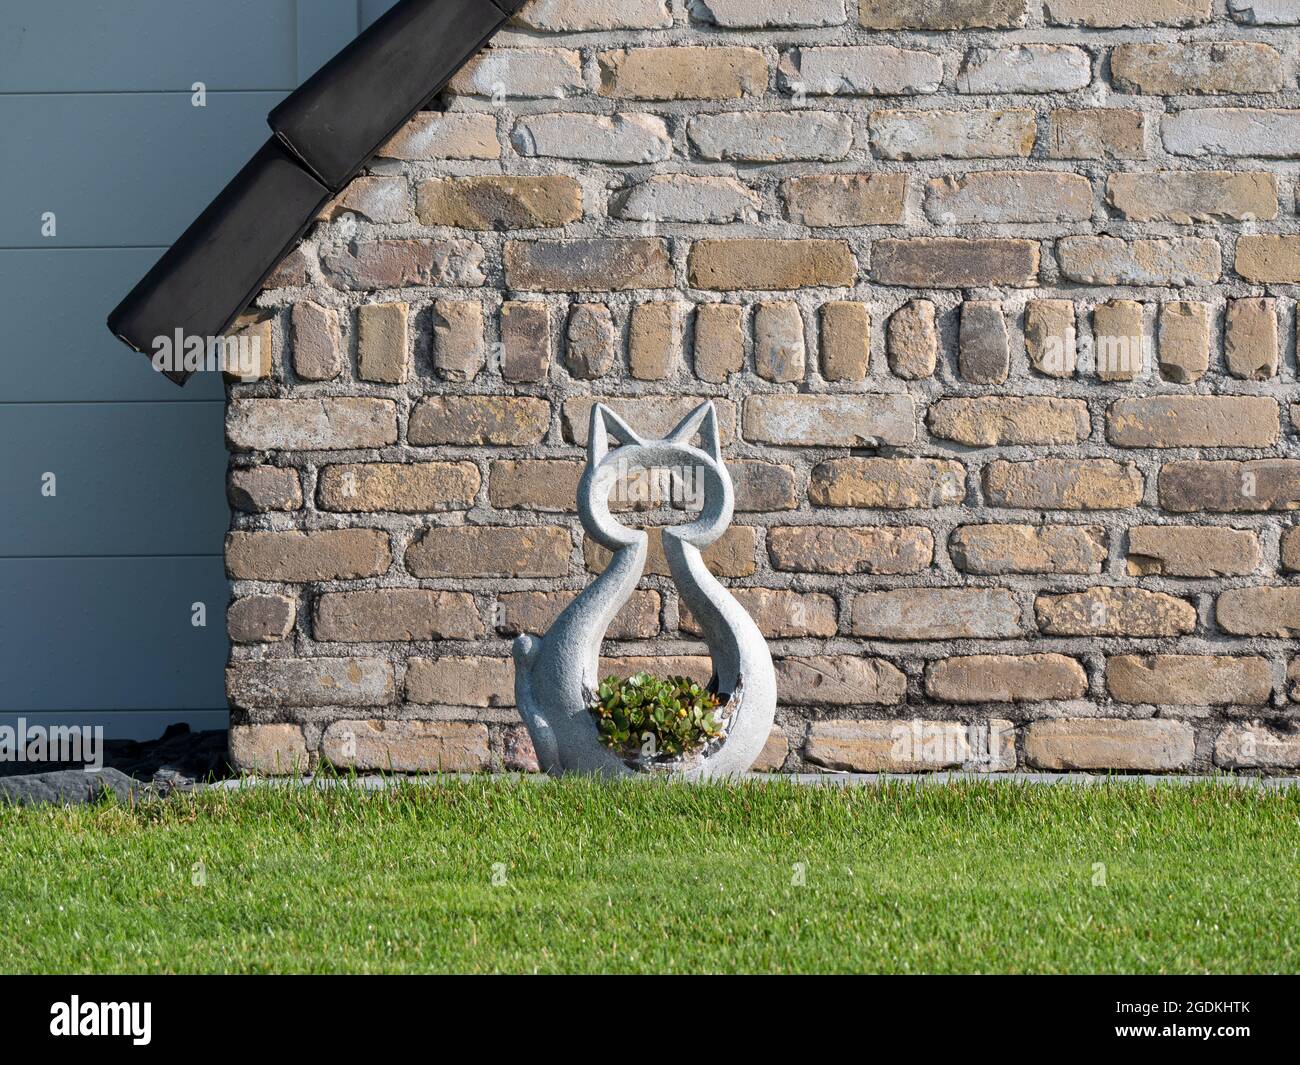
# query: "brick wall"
x,y
996,299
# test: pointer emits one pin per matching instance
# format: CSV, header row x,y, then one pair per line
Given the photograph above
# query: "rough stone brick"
x,y
912,135
525,342
539,73
483,551
937,614
913,341
779,350
1227,486
1051,339
618,139
1144,262
310,682
294,270
873,70
1269,259
477,682
535,612
255,336
898,746
1193,196
382,264
744,14
956,262
696,667
1191,551
995,550
1264,12
469,421
303,557
719,341
839,680
1063,484
775,751
820,200
1005,678
1190,680
1114,612
983,350
1023,68
1194,421
941,14
1096,133
893,484
595,265
1175,68
589,354
393,615
535,484
732,555
407,746
687,199
1232,132
988,421
1185,340
263,488
1152,746
431,135
317,349
1121,345
582,16
772,136
845,341
1104,14
1271,612
857,420
654,343
682,73
878,550
386,200
459,349
500,202
1251,746
1290,550
762,486
1250,339
269,750
770,265
398,487
990,196
782,614
261,618
653,416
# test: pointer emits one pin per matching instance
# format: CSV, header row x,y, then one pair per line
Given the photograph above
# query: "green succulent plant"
x,y
647,715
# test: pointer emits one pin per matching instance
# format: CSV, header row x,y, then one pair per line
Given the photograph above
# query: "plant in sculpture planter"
x,y
556,675
648,720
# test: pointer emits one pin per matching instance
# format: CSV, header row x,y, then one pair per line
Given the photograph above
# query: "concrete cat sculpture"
x,y
556,675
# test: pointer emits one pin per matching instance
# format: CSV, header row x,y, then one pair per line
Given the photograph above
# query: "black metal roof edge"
x,y
323,135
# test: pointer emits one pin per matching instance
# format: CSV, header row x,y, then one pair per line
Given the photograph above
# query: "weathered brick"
x,y
1232,131
294,270
839,680
389,615
653,416
309,682
1290,550
477,682
782,614
1191,551
1190,680
770,265
261,618
764,486
988,421
1051,339
589,354
956,262
500,202
459,350
1024,68
830,549
1189,196
941,14
1145,261
407,746
581,16
1252,746
845,340
539,73
398,487
1264,12
310,424
1103,14
732,555
302,557
874,70
535,612
259,489
269,750
983,348
688,199
1114,612
719,341
1096,133
1063,484
251,356
1185,340
1227,486
535,484
913,341
989,196
775,751
654,342
594,265
682,73
1121,344
525,342
780,353
1250,339
912,135
937,614
383,264
1194,421
697,667
772,136
317,348
386,200
485,551
431,135
742,14
858,420
1167,68
995,550
1005,678
898,746
477,420
894,484
821,200
1154,745
1269,259
618,139
1271,612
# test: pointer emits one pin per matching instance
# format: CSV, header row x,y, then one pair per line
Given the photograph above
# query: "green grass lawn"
x,y
494,876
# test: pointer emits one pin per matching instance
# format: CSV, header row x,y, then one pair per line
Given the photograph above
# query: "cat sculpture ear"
x,y
604,424
703,420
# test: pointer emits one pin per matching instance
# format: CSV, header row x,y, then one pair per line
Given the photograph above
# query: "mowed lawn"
x,y
577,876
